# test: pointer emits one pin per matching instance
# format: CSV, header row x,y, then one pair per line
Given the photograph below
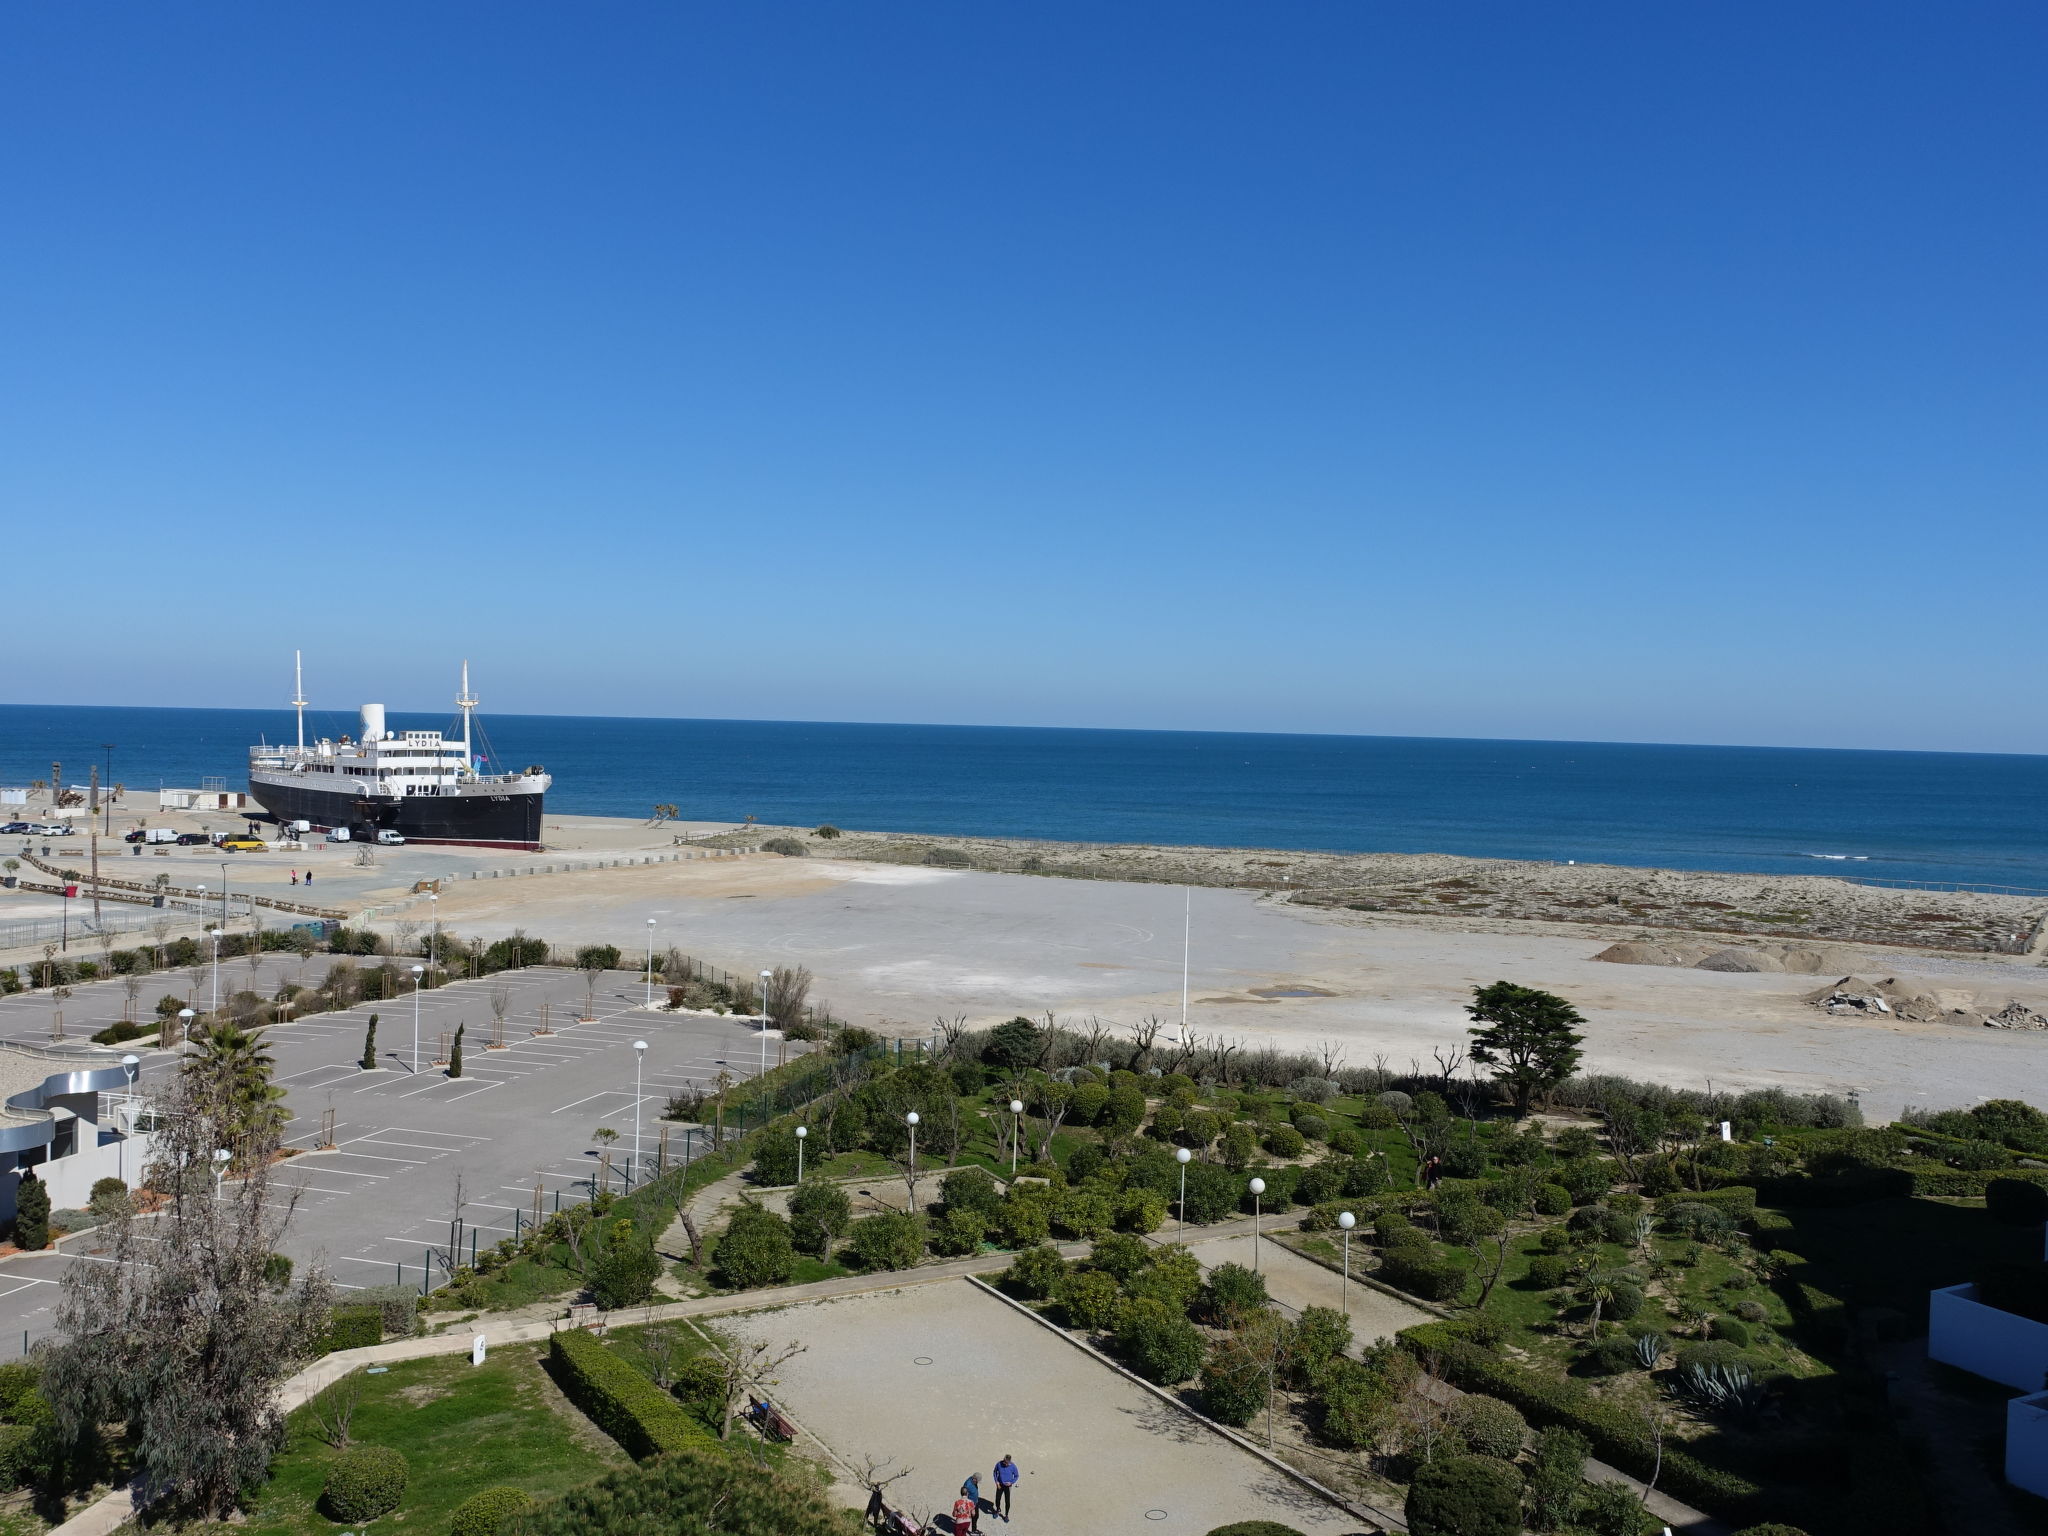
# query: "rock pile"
x,y
1798,959
1853,997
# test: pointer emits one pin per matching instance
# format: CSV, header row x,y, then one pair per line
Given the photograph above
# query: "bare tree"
x,y
407,931
744,1364
1144,1036
161,928
334,1409
783,999
180,1335
500,998
949,1032
132,985
1448,1060
1055,1101
1332,1053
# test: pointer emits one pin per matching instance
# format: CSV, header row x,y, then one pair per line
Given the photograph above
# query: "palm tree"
x,y
232,1070
1598,1290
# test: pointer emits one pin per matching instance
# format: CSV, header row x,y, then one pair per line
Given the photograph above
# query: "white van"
x,y
338,835
387,838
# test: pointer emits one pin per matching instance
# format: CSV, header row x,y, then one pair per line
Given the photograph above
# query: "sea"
x,y
1921,817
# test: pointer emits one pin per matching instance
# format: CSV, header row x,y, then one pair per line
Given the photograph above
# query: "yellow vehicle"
x,y
240,845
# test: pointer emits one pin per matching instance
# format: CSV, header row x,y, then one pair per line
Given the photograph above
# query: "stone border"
x,y
1361,1511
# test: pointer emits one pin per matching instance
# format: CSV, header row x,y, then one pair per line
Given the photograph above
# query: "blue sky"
x,y
1626,372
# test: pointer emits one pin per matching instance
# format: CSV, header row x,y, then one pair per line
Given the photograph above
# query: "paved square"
x,y
946,1378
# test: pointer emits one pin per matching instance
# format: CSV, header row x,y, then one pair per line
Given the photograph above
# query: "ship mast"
x,y
299,696
466,702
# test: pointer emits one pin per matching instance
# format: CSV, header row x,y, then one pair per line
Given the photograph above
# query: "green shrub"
x,y
1089,1297
1625,1303
1255,1528
1752,1311
788,847
1034,1273
354,1328
970,1189
1361,1398
1119,1256
775,1157
1024,1220
1234,1384
598,957
690,1489
1158,1342
1551,1200
1321,1335
958,1233
1547,1271
2016,1202
1611,1356
1140,1210
1770,1528
31,1213
1465,1496
481,1514
364,1482
892,1240
618,1399
819,1211
1615,1434
1738,1200
756,1249
1285,1141
1173,1277
18,1378
109,1197
1489,1427
1232,1290
1082,1213
1732,1331
625,1272
1615,1509
1421,1273
1557,1474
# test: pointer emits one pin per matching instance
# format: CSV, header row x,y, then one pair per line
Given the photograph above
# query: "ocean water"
x,y
1922,816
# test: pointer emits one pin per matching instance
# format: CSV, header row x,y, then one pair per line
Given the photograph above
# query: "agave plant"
x,y
1649,1350
1725,1387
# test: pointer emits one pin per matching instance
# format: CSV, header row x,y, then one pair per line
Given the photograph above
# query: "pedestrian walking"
x,y
963,1515
1005,1480
295,877
972,1489
309,877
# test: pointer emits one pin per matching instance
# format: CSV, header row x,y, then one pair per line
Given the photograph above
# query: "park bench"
x,y
771,1422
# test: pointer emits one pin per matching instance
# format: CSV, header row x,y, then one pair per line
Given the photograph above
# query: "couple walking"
x,y
967,1508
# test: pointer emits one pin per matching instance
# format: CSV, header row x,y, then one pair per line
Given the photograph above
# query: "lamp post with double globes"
x,y
1183,1157
1258,1188
1345,1222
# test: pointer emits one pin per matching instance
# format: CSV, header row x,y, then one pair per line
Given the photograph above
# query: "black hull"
x,y
498,821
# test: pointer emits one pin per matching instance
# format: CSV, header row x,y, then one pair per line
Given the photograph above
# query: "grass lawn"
x,y
462,1428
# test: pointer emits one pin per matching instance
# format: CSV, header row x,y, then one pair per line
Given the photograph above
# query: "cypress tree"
x,y
369,1060
455,1053
31,1213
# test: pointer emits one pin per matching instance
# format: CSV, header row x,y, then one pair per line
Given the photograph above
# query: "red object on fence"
x,y
70,890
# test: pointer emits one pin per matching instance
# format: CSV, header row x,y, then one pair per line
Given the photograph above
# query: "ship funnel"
x,y
373,722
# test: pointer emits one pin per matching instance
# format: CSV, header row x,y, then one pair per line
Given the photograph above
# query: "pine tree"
x,y
31,1213
1526,1036
455,1054
369,1061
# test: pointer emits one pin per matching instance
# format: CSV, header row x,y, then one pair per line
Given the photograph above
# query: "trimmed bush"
x,y
1611,1356
788,847
1552,1200
625,1272
481,1514
1090,1299
1738,1200
1489,1427
31,1213
1233,1289
354,1328
1547,1271
1465,1496
819,1211
1732,1331
1421,1273
757,1248
365,1481
690,1489
970,1189
1140,1211
1119,1256
626,1405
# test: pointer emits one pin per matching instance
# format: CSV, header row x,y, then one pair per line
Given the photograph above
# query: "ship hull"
x,y
478,820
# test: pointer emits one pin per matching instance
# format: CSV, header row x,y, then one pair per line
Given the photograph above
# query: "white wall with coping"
x,y
1999,1346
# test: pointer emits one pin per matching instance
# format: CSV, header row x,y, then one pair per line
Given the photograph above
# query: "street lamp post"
x,y
434,944
911,1121
1258,1188
639,1055
1016,1132
650,962
130,1065
220,1168
214,934
766,977
1345,1222
223,893
1183,1156
185,1018
802,1134
418,972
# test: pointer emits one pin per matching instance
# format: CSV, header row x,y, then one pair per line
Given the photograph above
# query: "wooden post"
x,y
661,1150
441,1056
326,1142
604,1169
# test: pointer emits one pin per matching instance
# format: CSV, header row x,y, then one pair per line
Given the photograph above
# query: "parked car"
x,y
193,839
152,835
242,845
59,829
28,827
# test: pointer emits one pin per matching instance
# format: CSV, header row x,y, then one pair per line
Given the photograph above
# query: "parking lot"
x,y
514,1131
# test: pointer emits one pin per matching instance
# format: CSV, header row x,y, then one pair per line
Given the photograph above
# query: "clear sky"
x,y
1663,372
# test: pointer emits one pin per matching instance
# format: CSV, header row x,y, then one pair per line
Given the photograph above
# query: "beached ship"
x,y
422,785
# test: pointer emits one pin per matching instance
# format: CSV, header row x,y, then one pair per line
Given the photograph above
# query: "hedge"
x,y
354,1328
1739,1200
481,1514
365,1481
1616,1435
1967,1182
619,1400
